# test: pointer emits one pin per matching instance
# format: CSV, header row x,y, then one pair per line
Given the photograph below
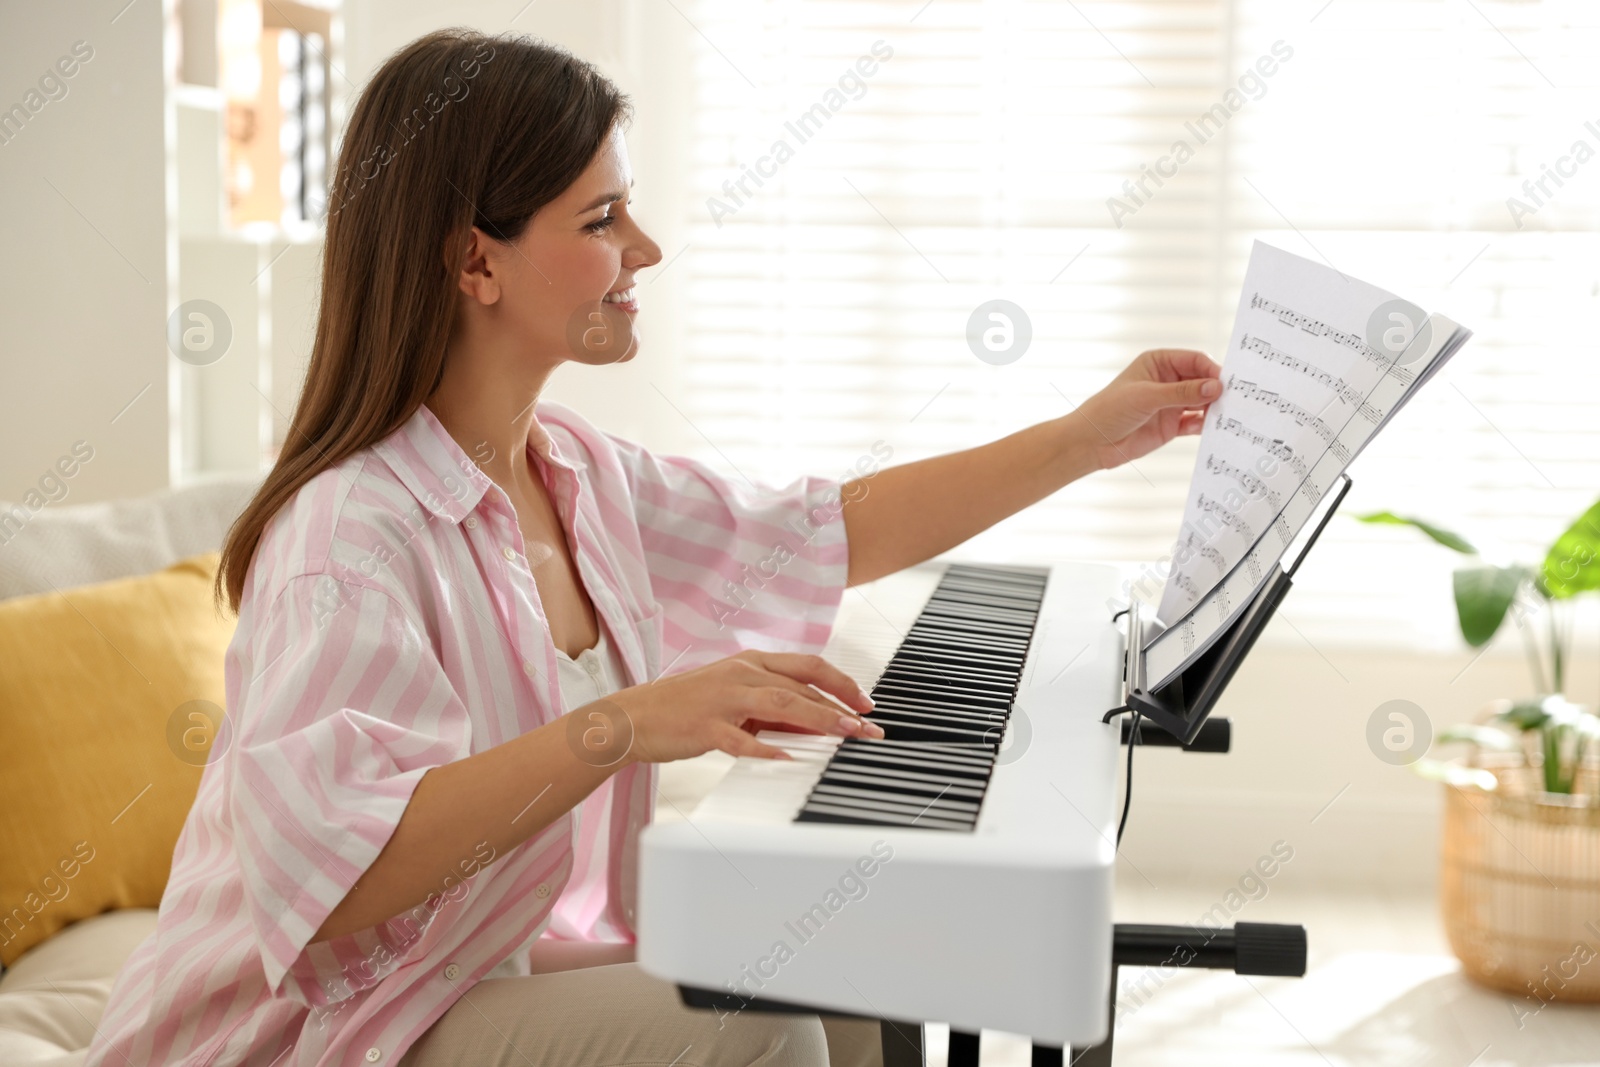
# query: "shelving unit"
x,y
230,415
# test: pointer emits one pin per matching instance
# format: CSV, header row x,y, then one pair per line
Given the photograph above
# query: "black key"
x,y
927,648
824,812
936,643
938,706
974,635
927,765
902,730
950,621
926,693
947,678
943,702
939,716
976,587
963,754
982,621
893,788
926,656
1019,616
933,662
905,805
971,727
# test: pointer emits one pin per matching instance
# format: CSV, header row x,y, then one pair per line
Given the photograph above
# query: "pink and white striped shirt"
x,y
390,624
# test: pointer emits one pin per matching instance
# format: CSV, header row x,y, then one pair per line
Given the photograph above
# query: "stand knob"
x,y
1245,948
1269,948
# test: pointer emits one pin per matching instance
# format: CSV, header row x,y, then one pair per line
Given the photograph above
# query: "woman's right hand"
x,y
719,706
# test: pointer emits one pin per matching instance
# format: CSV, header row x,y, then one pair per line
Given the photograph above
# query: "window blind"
x,y
866,173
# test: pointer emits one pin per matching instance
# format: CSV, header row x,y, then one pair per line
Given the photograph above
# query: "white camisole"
x,y
596,673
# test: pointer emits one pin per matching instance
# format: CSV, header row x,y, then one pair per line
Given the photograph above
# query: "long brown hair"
x,y
457,129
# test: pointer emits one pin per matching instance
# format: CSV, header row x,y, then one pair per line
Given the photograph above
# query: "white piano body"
x,y
1007,926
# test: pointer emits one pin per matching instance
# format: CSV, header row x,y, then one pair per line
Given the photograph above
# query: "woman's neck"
x,y
487,405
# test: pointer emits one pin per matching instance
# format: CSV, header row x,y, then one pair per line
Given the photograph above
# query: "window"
x,y
865,174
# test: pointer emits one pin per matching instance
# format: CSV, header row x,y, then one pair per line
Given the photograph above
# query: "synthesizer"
x,y
960,869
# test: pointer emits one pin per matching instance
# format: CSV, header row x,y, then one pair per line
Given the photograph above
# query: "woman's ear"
x,y
476,276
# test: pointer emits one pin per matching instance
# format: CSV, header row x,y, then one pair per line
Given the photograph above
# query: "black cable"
x,y
1127,798
1114,712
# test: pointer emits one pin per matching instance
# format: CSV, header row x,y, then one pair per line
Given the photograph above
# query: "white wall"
x,y
83,256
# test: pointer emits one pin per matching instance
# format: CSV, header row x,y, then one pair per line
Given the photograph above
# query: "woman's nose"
x,y
642,251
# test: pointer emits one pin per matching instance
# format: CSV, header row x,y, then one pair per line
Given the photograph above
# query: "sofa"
x,y
81,571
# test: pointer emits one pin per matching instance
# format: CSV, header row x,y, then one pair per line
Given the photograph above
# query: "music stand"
x,y
1180,707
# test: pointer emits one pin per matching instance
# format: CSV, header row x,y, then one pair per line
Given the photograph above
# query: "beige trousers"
x,y
615,1015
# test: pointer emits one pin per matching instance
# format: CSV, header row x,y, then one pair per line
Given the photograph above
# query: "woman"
x,y
457,604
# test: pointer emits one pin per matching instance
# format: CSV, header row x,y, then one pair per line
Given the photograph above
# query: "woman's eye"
x,y
601,224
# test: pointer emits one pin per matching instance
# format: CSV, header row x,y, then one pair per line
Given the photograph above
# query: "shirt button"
x,y
593,667
542,890
528,668
472,523
508,552
451,972
374,1055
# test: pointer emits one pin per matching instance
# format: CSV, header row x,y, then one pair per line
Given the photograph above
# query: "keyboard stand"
x,y
1244,948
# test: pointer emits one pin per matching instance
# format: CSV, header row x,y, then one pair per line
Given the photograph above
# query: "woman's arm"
x,y
502,795
506,794
903,515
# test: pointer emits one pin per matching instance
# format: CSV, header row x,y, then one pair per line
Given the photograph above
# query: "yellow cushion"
x,y
110,695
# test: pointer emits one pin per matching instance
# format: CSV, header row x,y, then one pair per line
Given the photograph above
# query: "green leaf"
x,y
1525,715
1573,565
1438,533
1556,778
1483,596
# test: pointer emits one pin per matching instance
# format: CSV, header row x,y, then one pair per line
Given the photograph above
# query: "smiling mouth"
x,y
621,296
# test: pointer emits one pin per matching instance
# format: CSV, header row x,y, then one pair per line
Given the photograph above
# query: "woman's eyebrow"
x,y
606,198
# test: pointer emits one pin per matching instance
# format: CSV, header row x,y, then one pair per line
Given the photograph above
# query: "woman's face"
x,y
568,282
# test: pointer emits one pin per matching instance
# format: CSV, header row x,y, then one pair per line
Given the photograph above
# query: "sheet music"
x,y
1308,379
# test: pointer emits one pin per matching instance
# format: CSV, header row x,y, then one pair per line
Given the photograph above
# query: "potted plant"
x,y
1520,860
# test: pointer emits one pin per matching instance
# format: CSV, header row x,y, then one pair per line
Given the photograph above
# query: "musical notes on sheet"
x,y
1187,635
1272,398
1346,391
1280,526
1265,464
1306,324
1297,403
1224,514
1352,341
1252,482
1253,565
1273,447
1193,543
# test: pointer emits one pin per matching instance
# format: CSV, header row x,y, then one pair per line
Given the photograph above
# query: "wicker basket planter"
x,y
1520,883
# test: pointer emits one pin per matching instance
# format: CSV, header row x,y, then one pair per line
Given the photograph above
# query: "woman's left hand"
x,y
1161,395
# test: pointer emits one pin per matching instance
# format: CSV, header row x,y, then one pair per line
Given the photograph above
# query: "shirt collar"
x,y
443,478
